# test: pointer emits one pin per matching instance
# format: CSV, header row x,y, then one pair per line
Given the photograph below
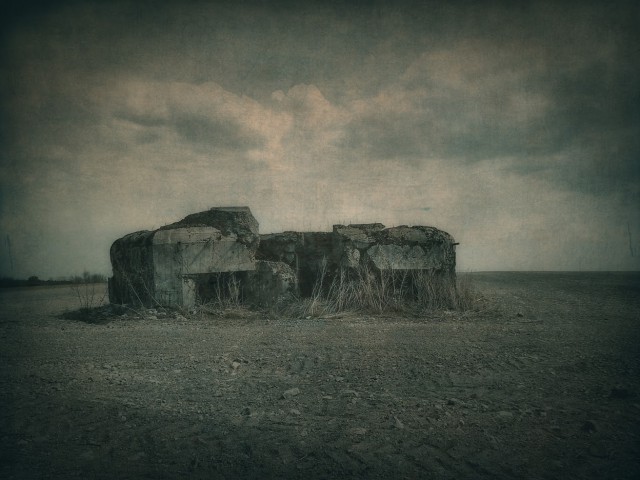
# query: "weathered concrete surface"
x,y
361,245
236,222
396,248
281,247
133,273
270,283
162,267
306,253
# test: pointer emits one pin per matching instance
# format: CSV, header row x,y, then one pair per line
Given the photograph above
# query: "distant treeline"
x,y
34,281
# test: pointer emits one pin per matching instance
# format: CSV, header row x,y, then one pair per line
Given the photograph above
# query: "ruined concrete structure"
x,y
220,253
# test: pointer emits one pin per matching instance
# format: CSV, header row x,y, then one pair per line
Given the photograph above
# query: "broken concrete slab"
x,y
307,253
281,247
404,257
236,222
161,267
270,283
395,248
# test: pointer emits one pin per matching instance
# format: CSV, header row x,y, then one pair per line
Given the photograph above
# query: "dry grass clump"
x,y
387,291
226,301
336,294
89,295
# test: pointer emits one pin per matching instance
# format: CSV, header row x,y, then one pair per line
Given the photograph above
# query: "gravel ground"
x,y
542,381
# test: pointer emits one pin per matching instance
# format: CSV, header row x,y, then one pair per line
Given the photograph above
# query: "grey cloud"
x,y
216,133
584,69
145,120
597,116
447,128
386,136
147,137
602,150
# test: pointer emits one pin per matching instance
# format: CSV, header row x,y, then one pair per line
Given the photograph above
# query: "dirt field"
x,y
542,382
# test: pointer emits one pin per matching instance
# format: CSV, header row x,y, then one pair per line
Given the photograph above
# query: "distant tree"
x,y
97,278
88,277
12,282
33,280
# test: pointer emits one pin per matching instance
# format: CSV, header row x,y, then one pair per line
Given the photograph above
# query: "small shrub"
x,y
227,301
89,295
91,305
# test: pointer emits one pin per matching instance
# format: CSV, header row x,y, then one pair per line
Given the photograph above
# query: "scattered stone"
x,y
598,452
246,411
620,392
556,430
137,457
358,431
295,411
235,365
397,423
198,439
504,415
292,392
350,392
87,455
519,314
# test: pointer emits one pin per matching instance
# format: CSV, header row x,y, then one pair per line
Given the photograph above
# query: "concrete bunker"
x,y
349,248
219,253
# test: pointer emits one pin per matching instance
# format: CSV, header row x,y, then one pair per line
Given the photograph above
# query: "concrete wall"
x,y
161,266
133,269
363,245
181,253
270,283
396,248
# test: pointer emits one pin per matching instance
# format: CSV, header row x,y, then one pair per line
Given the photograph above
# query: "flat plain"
x,y
540,380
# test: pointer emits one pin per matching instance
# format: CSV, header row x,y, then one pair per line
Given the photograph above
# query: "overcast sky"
x,y
514,126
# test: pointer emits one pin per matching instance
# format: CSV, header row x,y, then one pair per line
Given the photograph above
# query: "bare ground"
x,y
542,381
